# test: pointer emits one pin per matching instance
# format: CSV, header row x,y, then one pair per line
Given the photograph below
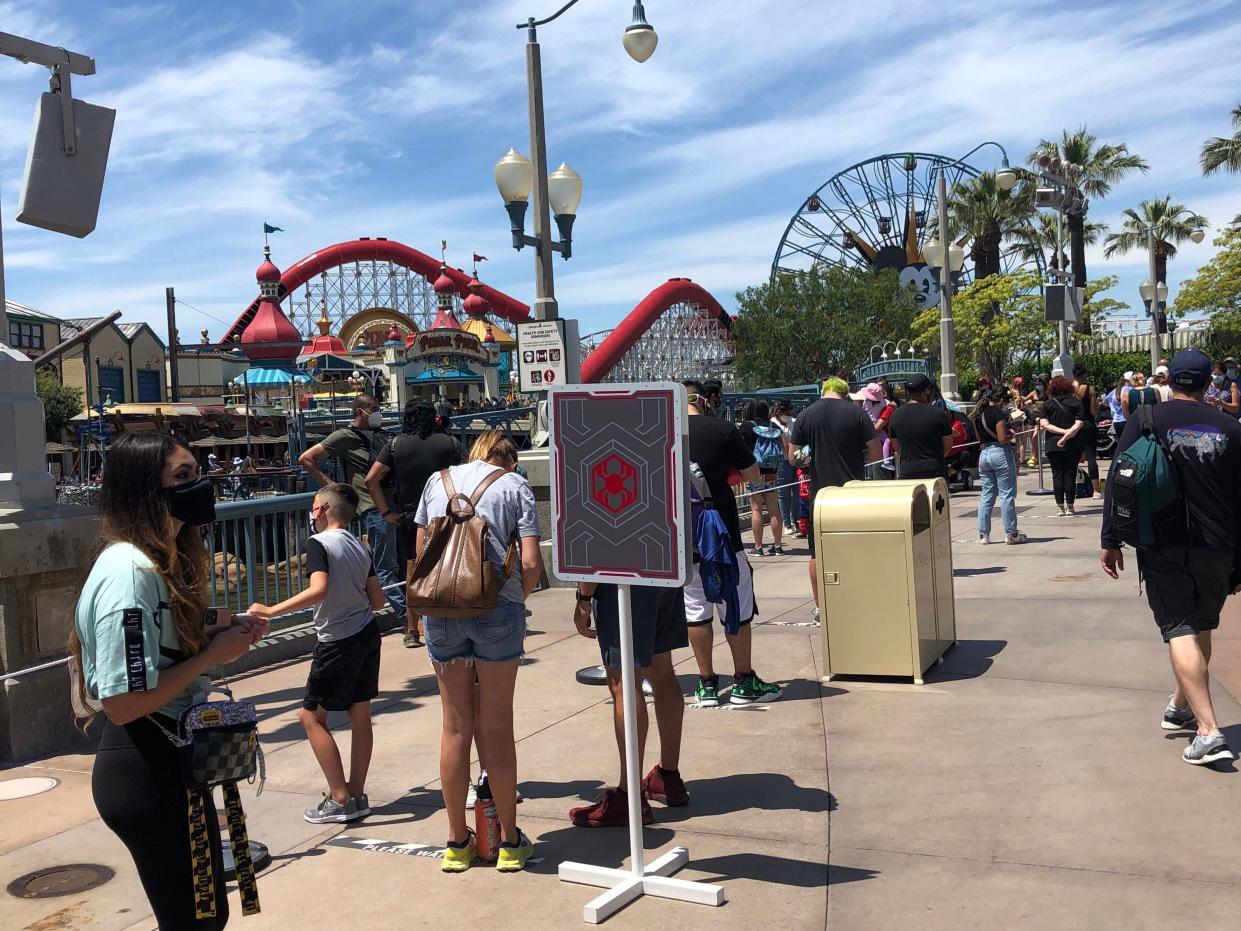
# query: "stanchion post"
x,y
633,784
1042,489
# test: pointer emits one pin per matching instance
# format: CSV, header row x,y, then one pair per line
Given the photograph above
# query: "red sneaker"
x,y
611,811
667,786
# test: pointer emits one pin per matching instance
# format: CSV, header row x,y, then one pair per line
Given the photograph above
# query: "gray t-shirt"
x,y
507,507
346,608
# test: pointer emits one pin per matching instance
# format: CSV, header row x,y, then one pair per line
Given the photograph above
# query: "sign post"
x,y
548,354
620,514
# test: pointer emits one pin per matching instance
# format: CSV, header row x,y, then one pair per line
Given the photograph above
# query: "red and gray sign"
x,y
620,500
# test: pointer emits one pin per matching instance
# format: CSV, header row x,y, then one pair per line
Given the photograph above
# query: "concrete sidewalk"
x,y
1026,785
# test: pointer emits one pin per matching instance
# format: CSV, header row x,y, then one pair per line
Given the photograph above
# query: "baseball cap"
x,y
1019,380
1190,368
918,383
1128,376
1161,370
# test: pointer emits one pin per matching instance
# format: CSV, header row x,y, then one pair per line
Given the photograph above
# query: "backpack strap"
x,y
485,484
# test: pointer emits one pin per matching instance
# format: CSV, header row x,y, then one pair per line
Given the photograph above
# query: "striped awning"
x,y
268,378
438,375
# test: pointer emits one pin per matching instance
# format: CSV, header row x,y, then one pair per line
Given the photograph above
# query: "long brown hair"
x,y
133,508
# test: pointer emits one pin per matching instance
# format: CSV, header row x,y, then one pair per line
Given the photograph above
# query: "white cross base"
x,y
626,886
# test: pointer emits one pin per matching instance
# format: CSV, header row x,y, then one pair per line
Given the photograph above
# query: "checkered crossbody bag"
x,y
218,745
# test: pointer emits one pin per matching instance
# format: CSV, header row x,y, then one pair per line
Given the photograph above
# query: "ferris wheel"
x,y
879,214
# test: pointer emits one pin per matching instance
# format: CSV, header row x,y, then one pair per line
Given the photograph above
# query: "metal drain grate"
x,y
60,880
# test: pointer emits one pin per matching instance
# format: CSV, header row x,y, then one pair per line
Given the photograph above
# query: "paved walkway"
x,y
1026,785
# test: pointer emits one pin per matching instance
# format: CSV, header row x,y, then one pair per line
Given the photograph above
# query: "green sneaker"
x,y
750,689
708,693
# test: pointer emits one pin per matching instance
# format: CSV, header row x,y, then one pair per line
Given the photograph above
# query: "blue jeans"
x,y
382,536
787,475
496,637
997,470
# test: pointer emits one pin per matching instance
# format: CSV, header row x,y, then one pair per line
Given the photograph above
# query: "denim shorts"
x,y
495,637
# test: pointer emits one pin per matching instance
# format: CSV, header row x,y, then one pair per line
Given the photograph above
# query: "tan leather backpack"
x,y
452,575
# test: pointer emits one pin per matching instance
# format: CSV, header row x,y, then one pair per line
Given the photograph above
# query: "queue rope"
x,y
806,481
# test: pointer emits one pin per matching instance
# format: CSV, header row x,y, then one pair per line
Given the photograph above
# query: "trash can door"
x,y
864,580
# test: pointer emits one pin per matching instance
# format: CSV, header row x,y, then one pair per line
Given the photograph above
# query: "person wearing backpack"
x,y
356,446
477,560
1174,494
413,457
766,443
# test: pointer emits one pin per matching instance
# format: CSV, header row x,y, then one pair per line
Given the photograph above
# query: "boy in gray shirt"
x,y
344,673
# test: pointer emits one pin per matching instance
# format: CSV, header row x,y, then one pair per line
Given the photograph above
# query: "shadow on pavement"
x,y
1046,539
587,790
986,570
606,847
836,875
761,867
726,794
967,660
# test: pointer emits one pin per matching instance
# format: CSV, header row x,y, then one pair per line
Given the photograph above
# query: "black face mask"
x,y
192,503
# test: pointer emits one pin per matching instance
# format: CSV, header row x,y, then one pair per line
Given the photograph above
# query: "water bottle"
x,y
486,823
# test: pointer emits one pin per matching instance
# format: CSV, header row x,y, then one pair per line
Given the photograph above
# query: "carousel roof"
x,y
480,328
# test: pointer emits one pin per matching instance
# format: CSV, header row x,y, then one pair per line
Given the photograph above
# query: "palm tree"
x,y
1036,241
1222,153
1094,167
979,209
1173,224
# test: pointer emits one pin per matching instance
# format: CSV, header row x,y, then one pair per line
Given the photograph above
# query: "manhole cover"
x,y
60,880
11,789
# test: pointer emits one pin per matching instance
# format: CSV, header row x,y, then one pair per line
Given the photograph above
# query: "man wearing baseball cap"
x,y
1188,578
921,433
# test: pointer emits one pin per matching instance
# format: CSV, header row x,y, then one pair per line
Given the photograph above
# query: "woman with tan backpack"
x,y
475,523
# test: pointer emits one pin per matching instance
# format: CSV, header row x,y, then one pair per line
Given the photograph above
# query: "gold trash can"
x,y
941,556
876,580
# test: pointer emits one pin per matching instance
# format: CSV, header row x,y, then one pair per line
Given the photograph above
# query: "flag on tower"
x,y
479,258
268,228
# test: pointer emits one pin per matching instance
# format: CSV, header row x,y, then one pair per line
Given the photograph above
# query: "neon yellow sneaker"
x,y
513,857
458,857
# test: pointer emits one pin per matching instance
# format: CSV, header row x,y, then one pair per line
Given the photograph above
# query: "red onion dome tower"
x,y
270,337
325,342
444,288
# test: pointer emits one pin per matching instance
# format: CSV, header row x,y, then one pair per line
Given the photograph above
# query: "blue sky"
x,y
382,118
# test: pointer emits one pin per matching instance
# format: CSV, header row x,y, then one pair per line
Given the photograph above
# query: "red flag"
x,y
479,258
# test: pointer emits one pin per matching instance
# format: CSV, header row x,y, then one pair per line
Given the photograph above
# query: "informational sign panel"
x,y
619,488
541,358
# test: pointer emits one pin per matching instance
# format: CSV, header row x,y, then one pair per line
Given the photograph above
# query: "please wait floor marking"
x,y
431,851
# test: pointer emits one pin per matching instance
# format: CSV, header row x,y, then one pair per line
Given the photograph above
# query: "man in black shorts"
x,y
658,629
1188,579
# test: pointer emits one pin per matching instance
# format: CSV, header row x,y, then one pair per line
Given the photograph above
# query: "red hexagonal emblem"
x,y
614,483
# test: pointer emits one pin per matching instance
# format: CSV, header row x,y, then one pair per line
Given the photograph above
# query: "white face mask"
x,y
376,420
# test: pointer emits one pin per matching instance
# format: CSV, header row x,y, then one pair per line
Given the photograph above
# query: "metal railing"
x,y
515,422
255,548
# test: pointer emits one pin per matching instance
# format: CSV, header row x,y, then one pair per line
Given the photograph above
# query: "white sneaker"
x,y
984,538
471,796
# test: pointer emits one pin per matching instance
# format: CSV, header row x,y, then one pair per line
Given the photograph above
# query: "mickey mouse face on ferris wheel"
x,y
924,281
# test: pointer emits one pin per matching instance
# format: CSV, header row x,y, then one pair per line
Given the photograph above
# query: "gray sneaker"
x,y
1015,539
1207,749
1178,719
330,811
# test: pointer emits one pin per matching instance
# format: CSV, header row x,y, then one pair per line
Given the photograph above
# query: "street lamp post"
x,y
950,260
1063,195
517,176
1154,292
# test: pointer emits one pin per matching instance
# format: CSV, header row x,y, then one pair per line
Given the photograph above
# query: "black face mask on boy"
x,y
192,503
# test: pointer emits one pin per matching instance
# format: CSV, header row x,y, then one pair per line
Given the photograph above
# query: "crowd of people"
x,y
142,651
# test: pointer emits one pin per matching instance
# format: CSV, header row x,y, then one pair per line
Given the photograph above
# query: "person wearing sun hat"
x,y
1189,574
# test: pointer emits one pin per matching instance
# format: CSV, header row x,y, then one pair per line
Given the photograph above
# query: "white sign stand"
x,y
624,886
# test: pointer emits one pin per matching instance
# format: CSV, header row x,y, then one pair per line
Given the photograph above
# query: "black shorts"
x,y
344,672
658,623
1186,593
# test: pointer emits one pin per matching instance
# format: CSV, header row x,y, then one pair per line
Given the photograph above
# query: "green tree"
x,y
998,319
1216,287
1173,224
60,404
977,208
1094,167
803,326
1223,153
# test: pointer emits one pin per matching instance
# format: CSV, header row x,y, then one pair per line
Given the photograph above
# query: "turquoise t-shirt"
x,y
127,631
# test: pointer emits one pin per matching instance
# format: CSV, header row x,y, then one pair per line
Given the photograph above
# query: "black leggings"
x,y
138,791
1063,476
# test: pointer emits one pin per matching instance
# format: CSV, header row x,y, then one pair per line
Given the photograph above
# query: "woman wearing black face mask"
x,y
142,652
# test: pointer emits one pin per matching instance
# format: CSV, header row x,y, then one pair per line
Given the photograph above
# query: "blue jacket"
x,y
717,566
